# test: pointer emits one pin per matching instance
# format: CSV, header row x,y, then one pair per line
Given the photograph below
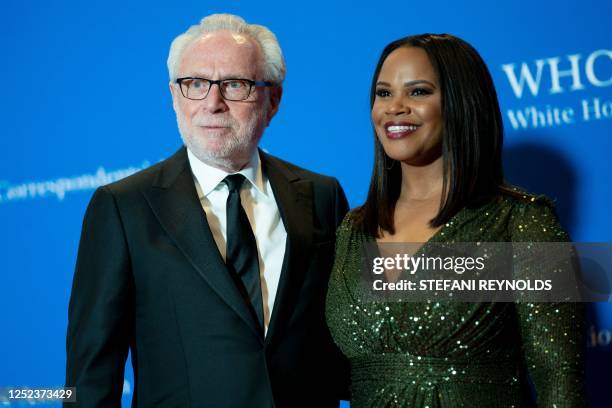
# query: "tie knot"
x,y
234,181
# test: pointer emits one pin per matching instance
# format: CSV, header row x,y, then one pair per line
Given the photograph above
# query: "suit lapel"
x,y
174,201
294,199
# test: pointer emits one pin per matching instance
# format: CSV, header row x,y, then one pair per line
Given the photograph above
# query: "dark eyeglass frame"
x,y
218,82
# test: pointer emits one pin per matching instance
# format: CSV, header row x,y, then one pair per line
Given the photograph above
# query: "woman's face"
x,y
407,110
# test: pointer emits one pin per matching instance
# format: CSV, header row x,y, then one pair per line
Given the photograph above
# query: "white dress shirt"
x,y
262,211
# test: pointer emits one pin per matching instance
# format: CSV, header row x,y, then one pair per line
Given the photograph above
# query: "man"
x,y
212,265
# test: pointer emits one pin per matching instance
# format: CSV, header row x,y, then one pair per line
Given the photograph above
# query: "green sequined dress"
x,y
452,354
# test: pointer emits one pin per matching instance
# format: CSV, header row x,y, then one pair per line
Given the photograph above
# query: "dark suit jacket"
x,y
149,278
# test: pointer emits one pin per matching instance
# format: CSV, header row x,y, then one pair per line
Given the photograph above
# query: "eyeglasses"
x,y
232,89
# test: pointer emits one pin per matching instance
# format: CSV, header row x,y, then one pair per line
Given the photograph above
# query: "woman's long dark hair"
x,y
472,136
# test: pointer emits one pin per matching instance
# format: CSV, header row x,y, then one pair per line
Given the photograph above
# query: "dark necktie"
x,y
241,257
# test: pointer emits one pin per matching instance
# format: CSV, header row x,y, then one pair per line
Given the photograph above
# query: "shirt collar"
x,y
208,177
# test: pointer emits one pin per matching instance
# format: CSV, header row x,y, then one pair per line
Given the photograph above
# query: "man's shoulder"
x,y
149,176
273,162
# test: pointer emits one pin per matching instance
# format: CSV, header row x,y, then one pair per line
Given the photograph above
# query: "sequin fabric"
x,y
452,354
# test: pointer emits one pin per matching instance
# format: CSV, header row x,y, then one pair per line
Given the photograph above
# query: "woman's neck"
x,y
421,183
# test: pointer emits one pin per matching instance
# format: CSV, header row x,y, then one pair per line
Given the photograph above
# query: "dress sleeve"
x,y
552,333
343,239
338,295
338,291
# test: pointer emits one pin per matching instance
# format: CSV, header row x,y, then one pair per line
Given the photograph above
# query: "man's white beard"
x,y
236,150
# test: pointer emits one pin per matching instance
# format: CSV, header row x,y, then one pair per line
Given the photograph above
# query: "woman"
x,y
438,179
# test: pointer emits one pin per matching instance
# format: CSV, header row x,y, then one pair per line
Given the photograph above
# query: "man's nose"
x,y
214,101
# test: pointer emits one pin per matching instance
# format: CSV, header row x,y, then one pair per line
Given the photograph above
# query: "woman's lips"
x,y
398,130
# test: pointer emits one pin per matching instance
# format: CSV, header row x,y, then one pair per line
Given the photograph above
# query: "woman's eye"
x,y
420,92
382,93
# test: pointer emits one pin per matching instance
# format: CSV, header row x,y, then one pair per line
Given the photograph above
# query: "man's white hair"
x,y
274,63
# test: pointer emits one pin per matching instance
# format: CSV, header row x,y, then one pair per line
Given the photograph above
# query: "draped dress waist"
x,y
402,380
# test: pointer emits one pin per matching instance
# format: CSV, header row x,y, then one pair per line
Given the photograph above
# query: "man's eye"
x,y
195,83
382,93
235,84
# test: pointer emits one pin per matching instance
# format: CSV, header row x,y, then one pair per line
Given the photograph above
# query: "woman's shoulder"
x,y
518,196
512,202
532,216
349,237
348,224
351,228
522,202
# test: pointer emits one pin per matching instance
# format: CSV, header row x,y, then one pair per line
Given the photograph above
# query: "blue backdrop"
x,y
86,101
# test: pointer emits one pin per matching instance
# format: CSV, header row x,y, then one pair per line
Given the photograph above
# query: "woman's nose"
x,y
398,106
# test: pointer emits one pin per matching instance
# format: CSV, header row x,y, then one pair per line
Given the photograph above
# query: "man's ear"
x,y
275,96
173,91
